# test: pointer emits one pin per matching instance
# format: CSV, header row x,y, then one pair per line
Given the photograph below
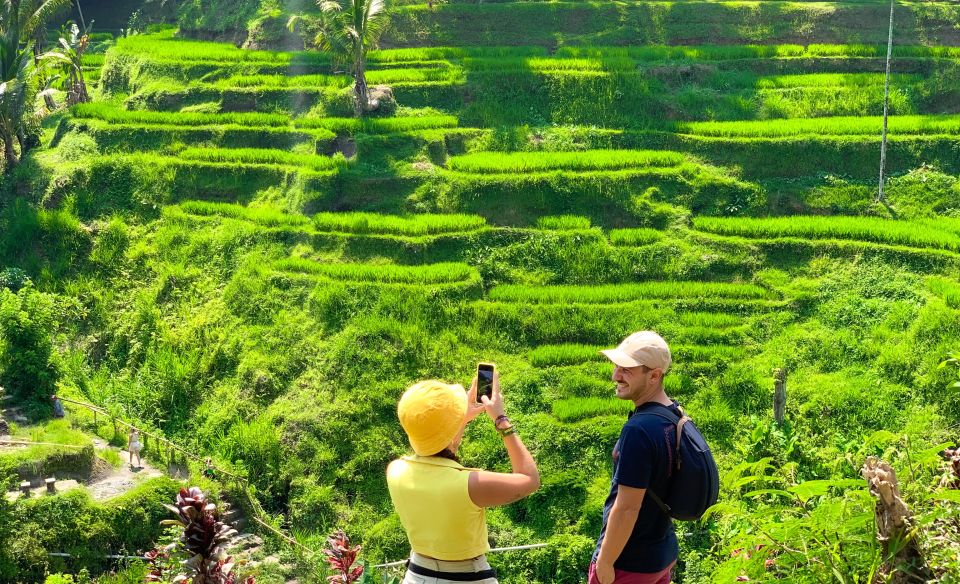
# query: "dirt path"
x,y
119,480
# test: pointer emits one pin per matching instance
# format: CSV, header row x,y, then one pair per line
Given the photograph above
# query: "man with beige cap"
x,y
638,543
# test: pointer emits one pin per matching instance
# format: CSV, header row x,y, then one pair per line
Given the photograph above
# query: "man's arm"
x,y
620,522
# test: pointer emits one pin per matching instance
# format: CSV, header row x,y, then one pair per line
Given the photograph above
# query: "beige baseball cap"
x,y
642,348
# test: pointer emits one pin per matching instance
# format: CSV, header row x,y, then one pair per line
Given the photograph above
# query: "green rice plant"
x,y
274,81
93,60
267,216
551,64
614,293
575,354
415,75
773,51
707,353
378,125
164,45
581,408
406,225
710,320
829,126
570,354
262,156
634,237
947,289
833,80
523,162
418,54
563,222
443,273
110,113
907,233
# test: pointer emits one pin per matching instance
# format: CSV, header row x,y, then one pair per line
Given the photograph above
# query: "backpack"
x,y
696,482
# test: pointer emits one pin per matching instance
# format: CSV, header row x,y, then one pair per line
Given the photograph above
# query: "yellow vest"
x,y
431,497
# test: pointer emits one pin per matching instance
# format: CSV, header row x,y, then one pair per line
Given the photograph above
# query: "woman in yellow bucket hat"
x,y
440,502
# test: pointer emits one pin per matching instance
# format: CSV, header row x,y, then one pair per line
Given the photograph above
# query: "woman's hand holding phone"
x,y
493,404
474,408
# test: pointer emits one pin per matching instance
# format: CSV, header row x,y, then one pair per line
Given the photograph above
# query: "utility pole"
x,y
886,107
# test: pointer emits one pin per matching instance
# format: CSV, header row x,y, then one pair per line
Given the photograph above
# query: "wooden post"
x,y
779,394
94,420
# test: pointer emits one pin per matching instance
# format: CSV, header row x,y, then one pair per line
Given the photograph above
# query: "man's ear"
x,y
656,373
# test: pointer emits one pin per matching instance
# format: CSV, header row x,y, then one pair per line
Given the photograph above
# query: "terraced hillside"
x,y
257,272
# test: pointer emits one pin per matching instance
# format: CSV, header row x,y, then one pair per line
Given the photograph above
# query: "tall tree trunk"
x,y
361,96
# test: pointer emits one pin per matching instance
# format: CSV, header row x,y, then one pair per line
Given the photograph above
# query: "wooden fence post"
x,y
779,394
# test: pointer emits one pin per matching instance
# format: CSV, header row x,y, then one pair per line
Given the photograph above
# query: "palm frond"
x,y
40,14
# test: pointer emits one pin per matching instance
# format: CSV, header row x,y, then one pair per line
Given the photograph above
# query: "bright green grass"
x,y
444,273
728,52
522,162
636,236
829,126
266,216
164,45
613,293
407,225
289,81
580,408
832,80
378,125
110,113
575,354
563,222
261,156
354,223
907,233
947,289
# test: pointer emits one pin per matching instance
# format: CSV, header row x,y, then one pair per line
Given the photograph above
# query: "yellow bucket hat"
x,y
431,413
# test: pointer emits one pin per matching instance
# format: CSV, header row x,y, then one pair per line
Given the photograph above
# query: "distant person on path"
x,y
57,407
208,470
638,542
134,447
441,504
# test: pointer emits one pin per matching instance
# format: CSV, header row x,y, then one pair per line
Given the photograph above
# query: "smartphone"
x,y
484,380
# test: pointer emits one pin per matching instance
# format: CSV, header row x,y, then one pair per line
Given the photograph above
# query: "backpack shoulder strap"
x,y
680,421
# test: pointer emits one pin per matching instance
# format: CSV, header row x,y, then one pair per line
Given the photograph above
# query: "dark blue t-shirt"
x,y
643,458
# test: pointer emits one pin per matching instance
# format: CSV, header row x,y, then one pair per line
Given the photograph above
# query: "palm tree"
x,y
19,22
347,30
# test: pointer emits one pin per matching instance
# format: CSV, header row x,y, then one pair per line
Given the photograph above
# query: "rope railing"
x,y
243,483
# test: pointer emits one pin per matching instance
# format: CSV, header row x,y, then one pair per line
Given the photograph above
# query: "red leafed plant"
x,y
341,557
201,548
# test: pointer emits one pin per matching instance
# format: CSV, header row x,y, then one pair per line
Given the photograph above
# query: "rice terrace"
x,y
236,234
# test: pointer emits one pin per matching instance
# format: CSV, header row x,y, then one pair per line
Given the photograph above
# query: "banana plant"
x,y
70,61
